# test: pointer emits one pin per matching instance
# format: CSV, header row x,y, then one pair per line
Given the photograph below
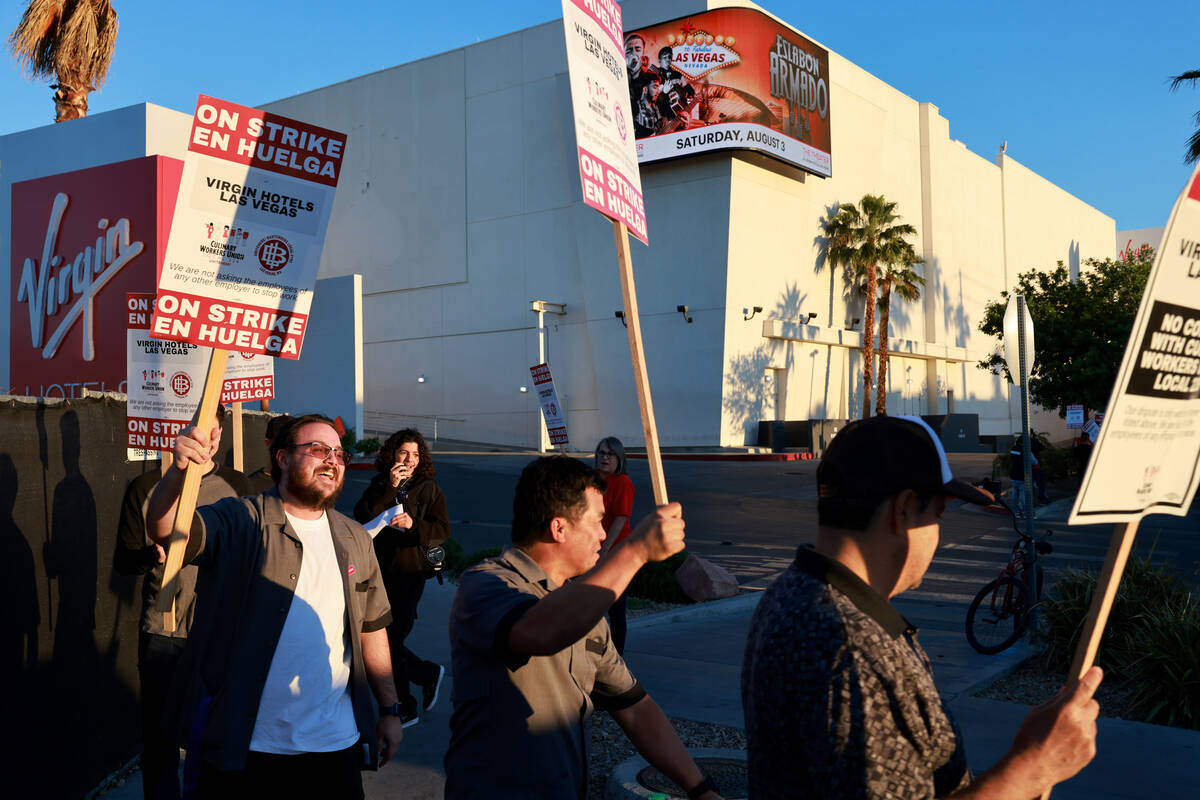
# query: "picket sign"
x,y
206,419
1147,455
640,376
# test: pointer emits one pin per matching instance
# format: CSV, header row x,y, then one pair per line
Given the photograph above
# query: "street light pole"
x,y
1027,451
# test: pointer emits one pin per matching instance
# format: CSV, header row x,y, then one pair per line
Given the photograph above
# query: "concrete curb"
x,y
713,609
623,783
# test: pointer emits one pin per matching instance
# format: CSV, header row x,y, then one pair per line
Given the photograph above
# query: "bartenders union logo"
x,y
273,253
181,384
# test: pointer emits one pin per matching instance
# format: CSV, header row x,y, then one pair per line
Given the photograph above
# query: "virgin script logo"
x,y
78,280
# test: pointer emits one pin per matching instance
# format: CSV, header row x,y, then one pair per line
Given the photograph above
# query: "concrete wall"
x,y
328,377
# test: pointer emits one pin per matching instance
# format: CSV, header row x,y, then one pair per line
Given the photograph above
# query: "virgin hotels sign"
x,y
80,241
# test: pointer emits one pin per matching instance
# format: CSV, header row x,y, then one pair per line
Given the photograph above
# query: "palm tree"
x,y
901,279
70,41
1193,143
859,239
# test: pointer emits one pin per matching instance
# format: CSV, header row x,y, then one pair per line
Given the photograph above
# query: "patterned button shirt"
x,y
839,697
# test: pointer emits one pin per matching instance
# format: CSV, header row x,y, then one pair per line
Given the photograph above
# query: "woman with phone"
x,y
404,478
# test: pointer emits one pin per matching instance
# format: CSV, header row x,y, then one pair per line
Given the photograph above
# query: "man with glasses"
x,y
289,640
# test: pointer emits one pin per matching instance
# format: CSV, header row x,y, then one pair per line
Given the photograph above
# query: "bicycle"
x,y
1002,602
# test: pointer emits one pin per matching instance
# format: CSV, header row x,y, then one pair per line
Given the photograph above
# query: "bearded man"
x,y
289,642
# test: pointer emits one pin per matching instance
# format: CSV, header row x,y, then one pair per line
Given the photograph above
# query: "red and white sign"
x,y
254,204
80,241
608,168
166,379
543,384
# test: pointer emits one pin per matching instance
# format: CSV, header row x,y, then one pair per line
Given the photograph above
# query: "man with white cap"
x,y
838,695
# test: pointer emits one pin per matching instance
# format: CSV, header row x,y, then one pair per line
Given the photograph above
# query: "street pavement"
x,y
690,659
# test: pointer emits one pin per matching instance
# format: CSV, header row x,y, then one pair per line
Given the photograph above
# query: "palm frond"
x,y
35,39
1191,76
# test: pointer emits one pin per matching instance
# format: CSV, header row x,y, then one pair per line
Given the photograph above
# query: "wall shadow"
x,y
746,392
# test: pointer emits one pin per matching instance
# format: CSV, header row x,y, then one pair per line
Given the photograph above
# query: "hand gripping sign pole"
x,y
608,170
1147,457
235,275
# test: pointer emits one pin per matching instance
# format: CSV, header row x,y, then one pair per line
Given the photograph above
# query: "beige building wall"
x,y
460,203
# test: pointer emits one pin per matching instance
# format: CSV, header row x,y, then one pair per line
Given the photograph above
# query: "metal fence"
x,y
386,423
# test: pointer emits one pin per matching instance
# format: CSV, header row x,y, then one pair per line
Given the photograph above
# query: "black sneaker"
x,y
429,692
408,714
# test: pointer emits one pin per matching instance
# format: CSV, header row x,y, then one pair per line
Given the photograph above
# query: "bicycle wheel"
x,y
996,617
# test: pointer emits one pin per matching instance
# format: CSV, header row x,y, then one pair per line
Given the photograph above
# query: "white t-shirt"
x,y
305,705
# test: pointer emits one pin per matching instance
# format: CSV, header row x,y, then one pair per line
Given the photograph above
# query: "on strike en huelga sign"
x,y
245,244
730,78
1147,454
166,378
543,384
608,168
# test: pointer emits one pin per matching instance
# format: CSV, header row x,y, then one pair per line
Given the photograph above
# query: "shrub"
x,y
368,447
458,561
1056,462
656,581
348,440
1164,669
1149,643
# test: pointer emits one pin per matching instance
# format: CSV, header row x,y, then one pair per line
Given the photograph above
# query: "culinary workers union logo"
x,y
181,384
273,253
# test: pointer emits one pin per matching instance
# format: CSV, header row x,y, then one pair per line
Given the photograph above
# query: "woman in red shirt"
x,y
618,507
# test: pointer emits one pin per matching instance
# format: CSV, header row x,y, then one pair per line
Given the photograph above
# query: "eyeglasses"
x,y
322,451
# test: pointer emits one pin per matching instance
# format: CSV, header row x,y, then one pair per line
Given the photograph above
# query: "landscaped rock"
x,y
703,580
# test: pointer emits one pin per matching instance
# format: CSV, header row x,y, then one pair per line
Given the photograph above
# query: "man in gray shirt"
x,y
531,653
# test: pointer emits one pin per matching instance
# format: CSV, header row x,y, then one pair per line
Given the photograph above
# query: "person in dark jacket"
x,y
405,479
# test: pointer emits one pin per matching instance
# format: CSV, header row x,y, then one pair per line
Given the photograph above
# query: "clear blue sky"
x,y
1077,89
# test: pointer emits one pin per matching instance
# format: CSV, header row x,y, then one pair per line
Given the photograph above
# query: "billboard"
x,y
254,203
80,241
727,79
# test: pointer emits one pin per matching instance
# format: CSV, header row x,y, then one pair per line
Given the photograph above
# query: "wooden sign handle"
x,y
640,376
205,418
1102,601
239,446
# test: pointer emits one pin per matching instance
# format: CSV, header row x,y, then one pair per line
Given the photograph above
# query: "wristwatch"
x,y
390,711
705,785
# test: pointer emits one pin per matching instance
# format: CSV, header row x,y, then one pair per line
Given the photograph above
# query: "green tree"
x,y
71,42
861,238
1192,154
1082,327
901,279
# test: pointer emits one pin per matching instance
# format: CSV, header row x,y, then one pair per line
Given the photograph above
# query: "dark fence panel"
x,y
68,629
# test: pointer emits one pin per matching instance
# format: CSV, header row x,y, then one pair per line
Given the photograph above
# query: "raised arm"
x,y
569,612
191,446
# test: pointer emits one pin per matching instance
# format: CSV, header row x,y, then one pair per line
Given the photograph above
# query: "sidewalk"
x,y
690,662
